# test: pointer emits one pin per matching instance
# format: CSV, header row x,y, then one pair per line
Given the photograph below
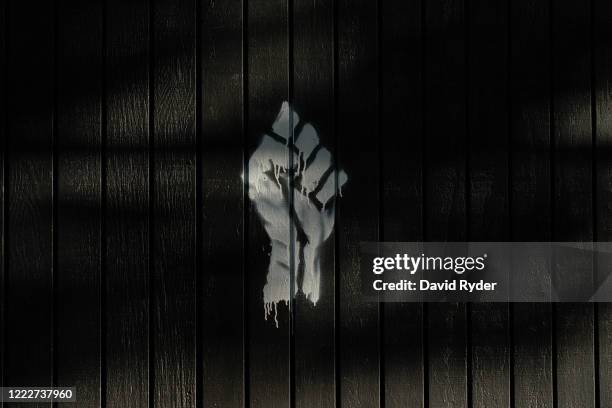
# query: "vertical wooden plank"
x,y
269,357
401,125
487,85
313,99
173,193
444,189
357,212
29,278
78,140
222,205
127,203
531,190
602,58
573,195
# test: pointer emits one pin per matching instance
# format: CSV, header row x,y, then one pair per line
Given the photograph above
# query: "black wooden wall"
x,y
133,261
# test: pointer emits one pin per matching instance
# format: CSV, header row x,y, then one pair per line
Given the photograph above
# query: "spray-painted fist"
x,y
293,192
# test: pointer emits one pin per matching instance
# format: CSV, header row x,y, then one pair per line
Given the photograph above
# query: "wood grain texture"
x,y
445,190
602,70
531,191
222,206
573,193
487,107
313,98
269,354
357,212
79,218
401,125
29,277
173,168
127,212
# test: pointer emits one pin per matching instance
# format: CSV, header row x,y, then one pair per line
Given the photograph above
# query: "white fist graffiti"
x,y
297,221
